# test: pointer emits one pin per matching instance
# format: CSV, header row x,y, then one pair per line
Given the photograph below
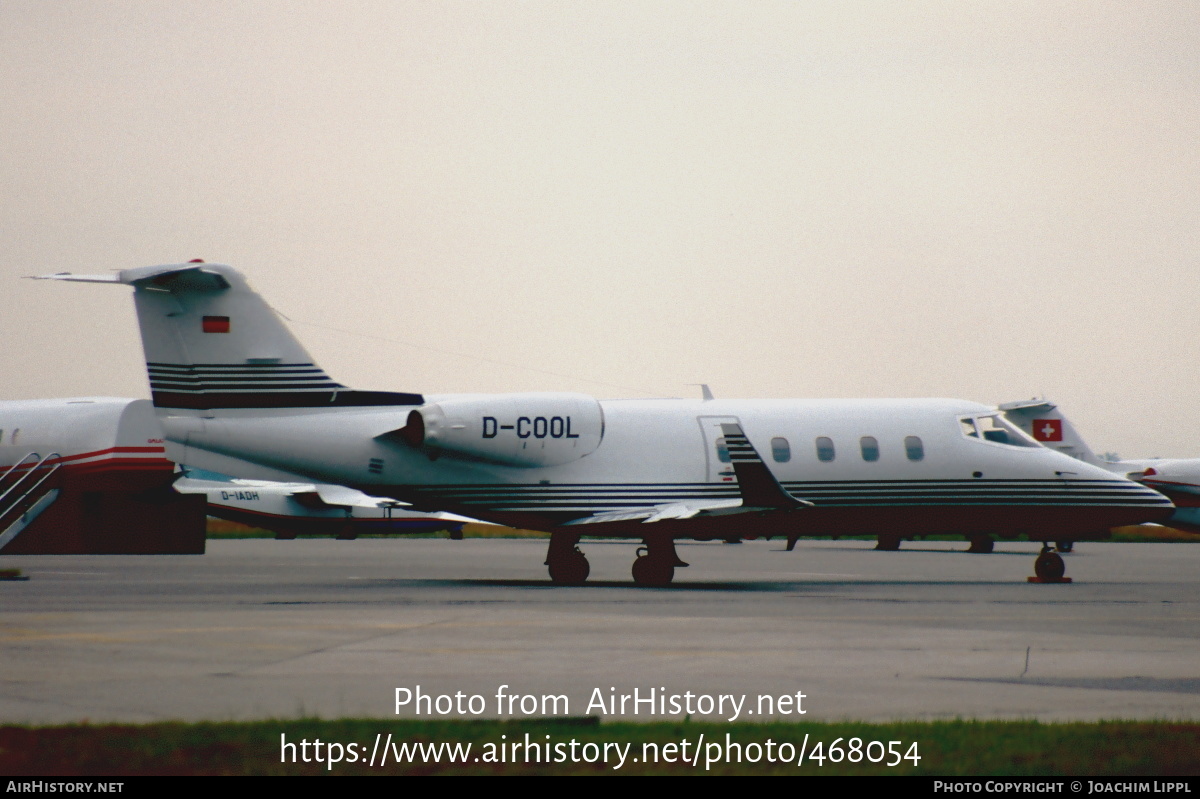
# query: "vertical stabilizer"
x,y
211,342
1044,421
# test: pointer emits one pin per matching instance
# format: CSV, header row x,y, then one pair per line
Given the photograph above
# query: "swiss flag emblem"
x,y
1047,429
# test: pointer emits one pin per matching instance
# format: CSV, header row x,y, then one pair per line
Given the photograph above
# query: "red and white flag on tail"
x,y
1047,429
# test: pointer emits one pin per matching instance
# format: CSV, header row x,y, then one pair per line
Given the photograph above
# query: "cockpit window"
x,y
996,429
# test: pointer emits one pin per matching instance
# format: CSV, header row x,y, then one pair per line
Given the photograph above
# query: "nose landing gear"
x,y
1049,567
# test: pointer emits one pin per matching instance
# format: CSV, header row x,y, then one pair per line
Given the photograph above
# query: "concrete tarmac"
x,y
260,629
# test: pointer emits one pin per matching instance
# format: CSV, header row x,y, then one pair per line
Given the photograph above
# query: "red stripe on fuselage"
x,y
108,464
110,451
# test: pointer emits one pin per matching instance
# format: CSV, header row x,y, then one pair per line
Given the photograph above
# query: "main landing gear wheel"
x,y
567,565
982,544
1049,567
888,543
572,569
653,571
656,562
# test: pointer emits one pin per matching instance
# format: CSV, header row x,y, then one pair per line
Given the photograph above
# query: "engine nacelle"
x,y
510,429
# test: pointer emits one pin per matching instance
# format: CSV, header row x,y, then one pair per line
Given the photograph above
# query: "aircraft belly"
x,y
1038,522
1004,508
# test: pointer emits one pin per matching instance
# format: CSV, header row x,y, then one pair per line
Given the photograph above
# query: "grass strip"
x,y
564,746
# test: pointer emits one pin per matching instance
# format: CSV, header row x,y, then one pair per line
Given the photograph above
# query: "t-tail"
x,y
1044,421
212,343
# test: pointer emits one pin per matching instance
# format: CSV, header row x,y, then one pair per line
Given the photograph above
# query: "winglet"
x,y
759,487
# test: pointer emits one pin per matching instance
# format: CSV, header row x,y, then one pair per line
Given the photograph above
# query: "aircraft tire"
x,y
1049,566
1064,546
653,571
888,542
571,570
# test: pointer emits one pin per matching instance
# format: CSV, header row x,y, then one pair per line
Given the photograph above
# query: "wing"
x,y
658,513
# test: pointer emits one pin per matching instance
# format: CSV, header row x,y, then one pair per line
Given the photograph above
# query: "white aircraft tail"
x,y
1044,421
211,343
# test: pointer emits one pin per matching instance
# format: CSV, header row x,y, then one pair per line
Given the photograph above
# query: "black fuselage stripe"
x,y
160,365
268,387
236,378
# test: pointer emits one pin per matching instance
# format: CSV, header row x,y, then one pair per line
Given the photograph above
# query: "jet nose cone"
x,y
1125,501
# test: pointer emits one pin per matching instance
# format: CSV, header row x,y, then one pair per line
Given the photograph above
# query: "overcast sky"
x,y
989,201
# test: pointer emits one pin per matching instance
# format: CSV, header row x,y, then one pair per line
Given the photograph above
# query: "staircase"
x,y
25,491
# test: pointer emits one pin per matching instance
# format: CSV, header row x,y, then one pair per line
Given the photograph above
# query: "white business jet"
x,y
237,393
1176,478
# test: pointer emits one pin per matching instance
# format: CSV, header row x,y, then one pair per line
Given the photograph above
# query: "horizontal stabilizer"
x,y
168,277
1027,405
78,278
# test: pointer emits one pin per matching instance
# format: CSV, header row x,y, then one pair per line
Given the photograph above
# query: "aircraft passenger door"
x,y
718,466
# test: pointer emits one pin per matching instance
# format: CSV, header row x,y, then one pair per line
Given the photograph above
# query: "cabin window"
x,y
825,448
16,433
781,451
870,448
722,451
914,448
